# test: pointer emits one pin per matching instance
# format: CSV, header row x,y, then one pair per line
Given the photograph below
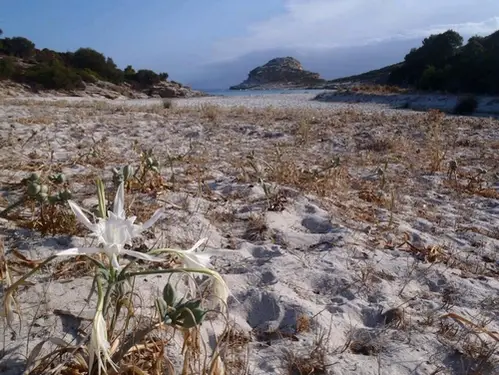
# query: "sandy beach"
x,y
350,243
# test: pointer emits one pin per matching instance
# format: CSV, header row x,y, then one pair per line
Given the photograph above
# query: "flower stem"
x,y
204,271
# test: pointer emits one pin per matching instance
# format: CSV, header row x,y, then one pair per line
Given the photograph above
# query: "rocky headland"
x,y
280,73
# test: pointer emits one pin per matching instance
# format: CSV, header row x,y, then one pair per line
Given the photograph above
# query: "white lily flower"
x,y
114,232
99,345
193,260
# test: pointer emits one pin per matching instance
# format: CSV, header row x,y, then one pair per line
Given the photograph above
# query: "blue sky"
x,y
159,33
181,36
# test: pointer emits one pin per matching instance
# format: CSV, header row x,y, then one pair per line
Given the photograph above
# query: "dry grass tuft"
x,y
257,230
303,323
235,348
378,89
469,350
52,220
210,112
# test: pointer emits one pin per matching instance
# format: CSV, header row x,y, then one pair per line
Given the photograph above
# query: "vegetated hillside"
x,y
443,63
377,76
281,72
45,69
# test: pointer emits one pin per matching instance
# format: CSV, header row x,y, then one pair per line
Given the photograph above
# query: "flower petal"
x,y
80,216
142,256
119,202
114,262
149,223
195,260
79,251
197,244
99,345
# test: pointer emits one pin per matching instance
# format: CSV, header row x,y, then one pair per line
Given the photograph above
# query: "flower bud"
x,y
127,172
169,295
33,189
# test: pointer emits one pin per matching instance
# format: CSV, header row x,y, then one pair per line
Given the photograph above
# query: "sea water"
x,y
222,92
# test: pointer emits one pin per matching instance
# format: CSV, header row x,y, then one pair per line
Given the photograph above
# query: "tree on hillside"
x,y
18,47
147,77
434,54
436,49
1,32
88,58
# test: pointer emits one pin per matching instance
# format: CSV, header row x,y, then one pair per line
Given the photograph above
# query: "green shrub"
x,y
147,77
18,46
46,56
7,68
53,76
466,105
87,75
87,58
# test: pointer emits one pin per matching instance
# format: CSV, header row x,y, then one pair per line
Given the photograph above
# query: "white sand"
x,y
330,260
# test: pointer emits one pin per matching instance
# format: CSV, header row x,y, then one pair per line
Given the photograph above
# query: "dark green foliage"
x,y
87,75
147,77
54,76
18,47
7,67
443,63
65,70
466,106
87,58
46,56
129,73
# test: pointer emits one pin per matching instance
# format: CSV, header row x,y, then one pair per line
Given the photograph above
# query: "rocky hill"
x,y
26,70
279,73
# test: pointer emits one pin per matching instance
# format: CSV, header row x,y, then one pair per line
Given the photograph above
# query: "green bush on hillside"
x,y
18,47
87,58
87,75
65,70
53,76
7,68
144,77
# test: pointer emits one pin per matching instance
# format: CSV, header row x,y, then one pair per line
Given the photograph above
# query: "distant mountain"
x,y
278,73
330,64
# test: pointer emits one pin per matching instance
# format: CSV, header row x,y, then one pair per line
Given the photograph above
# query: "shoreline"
x,y
487,105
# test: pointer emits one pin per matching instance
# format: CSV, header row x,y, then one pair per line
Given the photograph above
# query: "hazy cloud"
x,y
326,24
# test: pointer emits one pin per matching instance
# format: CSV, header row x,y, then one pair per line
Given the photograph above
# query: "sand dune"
x,y
346,263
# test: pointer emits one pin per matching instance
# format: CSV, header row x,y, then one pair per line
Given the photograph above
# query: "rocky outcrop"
x,y
103,89
171,89
280,73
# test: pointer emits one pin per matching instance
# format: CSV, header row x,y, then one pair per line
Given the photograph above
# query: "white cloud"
x,y
325,24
